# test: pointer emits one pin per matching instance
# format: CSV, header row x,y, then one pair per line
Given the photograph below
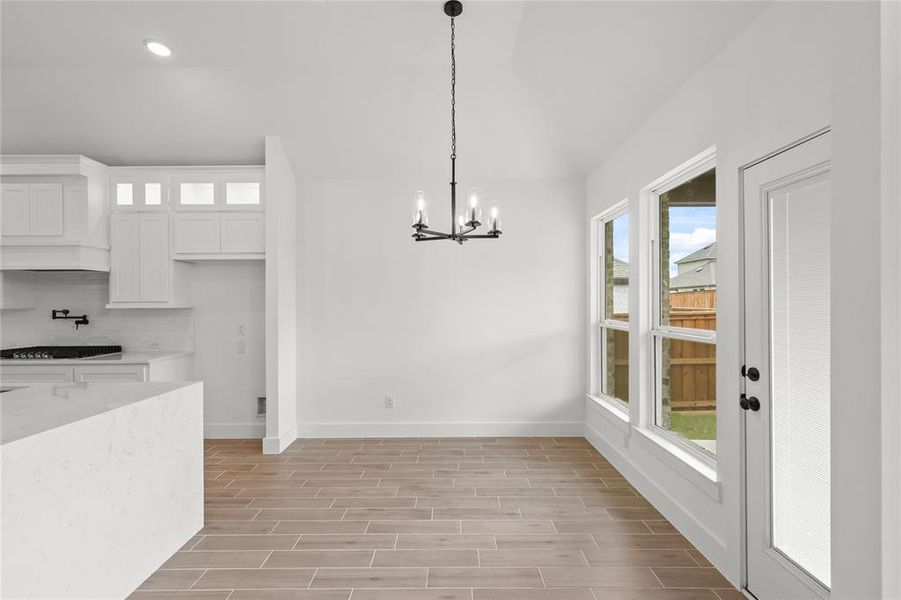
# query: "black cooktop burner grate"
x,y
44,352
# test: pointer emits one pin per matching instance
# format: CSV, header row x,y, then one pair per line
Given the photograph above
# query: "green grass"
x,y
694,425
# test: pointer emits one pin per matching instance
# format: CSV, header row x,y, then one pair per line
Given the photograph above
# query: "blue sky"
x,y
691,228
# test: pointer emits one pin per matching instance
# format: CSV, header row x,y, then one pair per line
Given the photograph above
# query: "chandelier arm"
x,y
485,236
431,239
438,233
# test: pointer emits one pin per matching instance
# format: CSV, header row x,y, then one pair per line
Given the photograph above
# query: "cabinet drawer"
x,y
243,232
110,373
35,374
195,233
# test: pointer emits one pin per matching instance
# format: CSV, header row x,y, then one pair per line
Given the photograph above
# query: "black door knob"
x,y
753,374
751,403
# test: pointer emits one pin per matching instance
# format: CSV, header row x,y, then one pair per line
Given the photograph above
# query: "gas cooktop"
x,y
50,352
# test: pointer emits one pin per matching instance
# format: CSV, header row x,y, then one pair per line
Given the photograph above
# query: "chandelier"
x,y
464,224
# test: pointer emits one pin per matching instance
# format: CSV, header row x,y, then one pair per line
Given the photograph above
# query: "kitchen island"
x,y
101,483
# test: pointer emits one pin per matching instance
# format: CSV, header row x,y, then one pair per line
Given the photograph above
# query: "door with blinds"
x,y
786,392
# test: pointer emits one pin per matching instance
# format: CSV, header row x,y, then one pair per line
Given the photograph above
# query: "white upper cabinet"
x,y
196,233
125,258
15,209
239,188
155,263
143,275
242,233
32,209
46,209
138,190
54,213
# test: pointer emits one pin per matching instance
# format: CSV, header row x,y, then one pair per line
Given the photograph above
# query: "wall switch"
x,y
242,347
242,329
389,401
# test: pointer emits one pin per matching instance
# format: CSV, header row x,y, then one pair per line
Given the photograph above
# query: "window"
x,y
124,194
683,327
242,192
153,194
612,331
197,194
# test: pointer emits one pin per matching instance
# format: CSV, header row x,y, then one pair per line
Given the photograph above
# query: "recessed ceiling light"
x,y
158,48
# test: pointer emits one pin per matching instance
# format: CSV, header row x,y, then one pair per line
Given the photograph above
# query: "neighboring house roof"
x,y
620,269
704,276
707,252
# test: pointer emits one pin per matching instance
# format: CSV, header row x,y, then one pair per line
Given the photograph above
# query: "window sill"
x,y
612,410
699,470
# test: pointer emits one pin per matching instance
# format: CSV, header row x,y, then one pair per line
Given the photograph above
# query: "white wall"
x,y
86,292
228,295
891,299
282,307
856,343
484,339
751,99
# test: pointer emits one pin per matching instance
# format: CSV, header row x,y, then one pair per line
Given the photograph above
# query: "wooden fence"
x,y
692,365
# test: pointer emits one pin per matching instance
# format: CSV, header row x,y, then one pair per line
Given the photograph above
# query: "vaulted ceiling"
x,y
355,89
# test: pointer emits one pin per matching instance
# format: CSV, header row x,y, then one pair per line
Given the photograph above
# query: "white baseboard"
x,y
277,445
702,538
443,429
234,431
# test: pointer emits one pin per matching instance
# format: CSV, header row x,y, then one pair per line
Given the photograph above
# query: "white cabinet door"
x,y
195,233
13,374
46,209
15,211
125,258
243,232
154,268
110,373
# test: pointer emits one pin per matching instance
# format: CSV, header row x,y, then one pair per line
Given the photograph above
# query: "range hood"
x,y
54,213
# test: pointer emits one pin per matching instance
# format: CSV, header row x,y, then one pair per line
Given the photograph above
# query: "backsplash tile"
x,y
84,292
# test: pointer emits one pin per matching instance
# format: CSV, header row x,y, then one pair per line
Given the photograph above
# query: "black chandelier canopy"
x,y
463,225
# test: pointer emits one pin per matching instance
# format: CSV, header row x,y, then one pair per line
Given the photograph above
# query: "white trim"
x,y
611,409
713,548
441,429
236,431
702,468
597,320
277,445
649,408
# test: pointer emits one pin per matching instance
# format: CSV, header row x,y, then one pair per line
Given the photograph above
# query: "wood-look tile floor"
x,y
429,519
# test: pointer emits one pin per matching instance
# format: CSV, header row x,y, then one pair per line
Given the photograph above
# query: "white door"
x,y
154,257
787,401
125,258
15,211
46,209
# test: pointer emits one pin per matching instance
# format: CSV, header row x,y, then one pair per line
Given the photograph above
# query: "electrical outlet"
x,y
242,329
242,347
389,401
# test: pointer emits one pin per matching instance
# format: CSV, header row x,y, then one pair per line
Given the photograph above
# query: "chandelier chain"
x,y
453,94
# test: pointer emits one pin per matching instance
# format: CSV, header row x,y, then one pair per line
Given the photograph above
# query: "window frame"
x,y
599,321
652,410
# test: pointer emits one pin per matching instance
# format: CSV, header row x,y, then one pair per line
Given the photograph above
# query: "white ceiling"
x,y
355,89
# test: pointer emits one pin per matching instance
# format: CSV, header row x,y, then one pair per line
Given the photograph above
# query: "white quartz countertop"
x,y
34,409
121,358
